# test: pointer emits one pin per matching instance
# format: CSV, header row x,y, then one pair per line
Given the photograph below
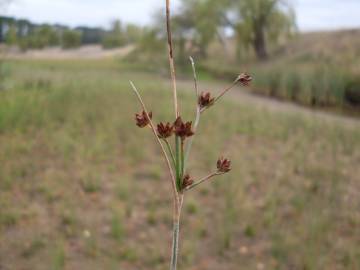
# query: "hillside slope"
x,y
341,46
318,69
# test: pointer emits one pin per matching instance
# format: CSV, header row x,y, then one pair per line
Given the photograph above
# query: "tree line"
x,y
253,24
28,35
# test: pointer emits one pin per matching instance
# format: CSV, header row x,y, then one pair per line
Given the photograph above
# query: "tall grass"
x,y
309,84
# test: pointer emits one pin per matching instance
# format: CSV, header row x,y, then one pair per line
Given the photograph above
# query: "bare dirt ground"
x,y
85,52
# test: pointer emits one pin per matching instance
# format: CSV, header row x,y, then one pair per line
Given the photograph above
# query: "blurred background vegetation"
x,y
82,188
312,69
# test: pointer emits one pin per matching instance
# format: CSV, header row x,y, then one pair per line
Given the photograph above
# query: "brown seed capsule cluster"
x,y
223,165
187,181
205,100
245,79
165,131
183,130
142,119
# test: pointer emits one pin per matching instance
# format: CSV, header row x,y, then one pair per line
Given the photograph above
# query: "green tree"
x,y
150,43
133,33
116,37
48,36
204,17
149,48
11,36
261,21
39,38
71,39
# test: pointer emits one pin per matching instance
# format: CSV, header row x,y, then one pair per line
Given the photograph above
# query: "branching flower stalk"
x,y
183,132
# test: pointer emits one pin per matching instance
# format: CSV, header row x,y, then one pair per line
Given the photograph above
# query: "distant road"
x,y
84,52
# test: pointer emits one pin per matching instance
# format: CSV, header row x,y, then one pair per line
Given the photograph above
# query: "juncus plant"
x,y
183,133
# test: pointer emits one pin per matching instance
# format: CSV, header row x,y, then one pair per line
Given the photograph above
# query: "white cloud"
x,y
84,12
327,14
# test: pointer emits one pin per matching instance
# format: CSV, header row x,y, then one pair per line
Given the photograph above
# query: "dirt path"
x,y
240,95
84,52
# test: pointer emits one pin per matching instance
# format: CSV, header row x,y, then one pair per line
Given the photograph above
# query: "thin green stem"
x,y
173,178
222,93
203,180
225,91
178,163
197,117
176,231
195,77
182,159
170,152
175,244
189,144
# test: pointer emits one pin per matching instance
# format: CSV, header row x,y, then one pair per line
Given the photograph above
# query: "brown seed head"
x,y
244,79
223,165
142,120
165,130
187,181
183,130
205,100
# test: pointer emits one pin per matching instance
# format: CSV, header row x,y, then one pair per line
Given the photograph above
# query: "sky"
x,y
312,15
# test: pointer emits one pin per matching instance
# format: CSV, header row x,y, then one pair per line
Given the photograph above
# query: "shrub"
x,y
352,93
71,39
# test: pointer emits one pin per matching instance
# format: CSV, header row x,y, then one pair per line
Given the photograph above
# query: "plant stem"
x,y
203,180
171,57
178,163
189,144
171,153
153,129
195,78
223,92
182,160
176,231
197,117
175,244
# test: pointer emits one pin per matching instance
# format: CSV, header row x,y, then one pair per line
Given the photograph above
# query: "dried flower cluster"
x,y
176,154
223,165
187,181
183,130
142,119
165,130
205,100
245,79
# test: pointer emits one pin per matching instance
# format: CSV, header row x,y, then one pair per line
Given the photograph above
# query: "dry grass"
x,y
78,190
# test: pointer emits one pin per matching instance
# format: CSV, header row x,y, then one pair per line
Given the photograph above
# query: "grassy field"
x,y
81,187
